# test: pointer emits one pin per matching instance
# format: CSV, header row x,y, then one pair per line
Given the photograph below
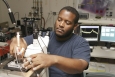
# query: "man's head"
x,y
66,22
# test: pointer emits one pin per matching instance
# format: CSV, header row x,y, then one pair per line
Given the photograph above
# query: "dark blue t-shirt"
x,y
76,47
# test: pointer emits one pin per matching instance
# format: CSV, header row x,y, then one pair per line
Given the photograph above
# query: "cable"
x,y
40,45
48,18
17,13
44,22
10,12
43,42
6,3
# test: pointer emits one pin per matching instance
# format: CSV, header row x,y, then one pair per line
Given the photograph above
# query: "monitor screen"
x,y
89,32
107,34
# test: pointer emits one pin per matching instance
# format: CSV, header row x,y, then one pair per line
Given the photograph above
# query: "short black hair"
x,y
72,10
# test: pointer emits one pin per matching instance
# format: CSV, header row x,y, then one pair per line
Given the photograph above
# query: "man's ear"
x,y
75,27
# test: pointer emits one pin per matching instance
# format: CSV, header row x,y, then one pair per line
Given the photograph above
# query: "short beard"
x,y
65,35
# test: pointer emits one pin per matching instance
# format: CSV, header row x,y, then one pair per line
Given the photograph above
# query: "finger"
x,y
21,51
24,60
35,59
29,59
38,67
33,56
35,63
20,56
23,47
12,45
29,67
25,64
13,52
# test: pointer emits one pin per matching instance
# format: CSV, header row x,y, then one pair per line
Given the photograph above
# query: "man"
x,y
69,53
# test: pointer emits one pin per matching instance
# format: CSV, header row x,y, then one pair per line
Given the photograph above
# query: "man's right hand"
x,y
13,46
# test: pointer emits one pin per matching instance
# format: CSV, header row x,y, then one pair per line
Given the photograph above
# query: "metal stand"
x,y
30,20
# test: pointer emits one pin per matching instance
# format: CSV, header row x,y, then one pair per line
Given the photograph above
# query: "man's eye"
x,y
59,19
68,23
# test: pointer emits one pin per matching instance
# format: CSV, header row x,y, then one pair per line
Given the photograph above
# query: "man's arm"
x,y
79,61
68,65
71,66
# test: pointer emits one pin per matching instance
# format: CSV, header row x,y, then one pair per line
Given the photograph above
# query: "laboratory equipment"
x,y
107,35
89,32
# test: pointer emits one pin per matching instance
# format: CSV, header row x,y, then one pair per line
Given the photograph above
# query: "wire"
x,y
43,42
49,17
40,45
6,3
17,13
44,22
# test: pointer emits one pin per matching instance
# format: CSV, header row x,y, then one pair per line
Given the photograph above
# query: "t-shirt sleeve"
x,y
82,50
29,39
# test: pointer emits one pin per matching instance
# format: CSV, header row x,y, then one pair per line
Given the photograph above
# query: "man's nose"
x,y
62,23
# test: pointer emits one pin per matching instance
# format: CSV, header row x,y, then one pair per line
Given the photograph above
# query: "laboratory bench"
x,y
102,62
13,73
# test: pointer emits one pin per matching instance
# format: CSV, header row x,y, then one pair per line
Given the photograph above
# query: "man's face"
x,y
64,24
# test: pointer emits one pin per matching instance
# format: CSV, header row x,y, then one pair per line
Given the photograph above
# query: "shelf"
x,y
101,53
98,21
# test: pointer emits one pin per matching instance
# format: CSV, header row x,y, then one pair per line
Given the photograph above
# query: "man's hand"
x,y
38,61
13,46
68,65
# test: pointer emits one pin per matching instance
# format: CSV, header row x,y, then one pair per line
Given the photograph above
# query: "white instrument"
x,y
39,45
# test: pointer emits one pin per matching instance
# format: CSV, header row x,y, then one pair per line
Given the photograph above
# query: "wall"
x,y
24,7
92,15
21,6
0,12
49,6
54,6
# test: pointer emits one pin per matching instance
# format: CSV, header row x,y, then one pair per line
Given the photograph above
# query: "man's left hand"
x,y
38,61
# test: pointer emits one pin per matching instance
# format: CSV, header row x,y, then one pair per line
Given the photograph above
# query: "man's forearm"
x,y
71,66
